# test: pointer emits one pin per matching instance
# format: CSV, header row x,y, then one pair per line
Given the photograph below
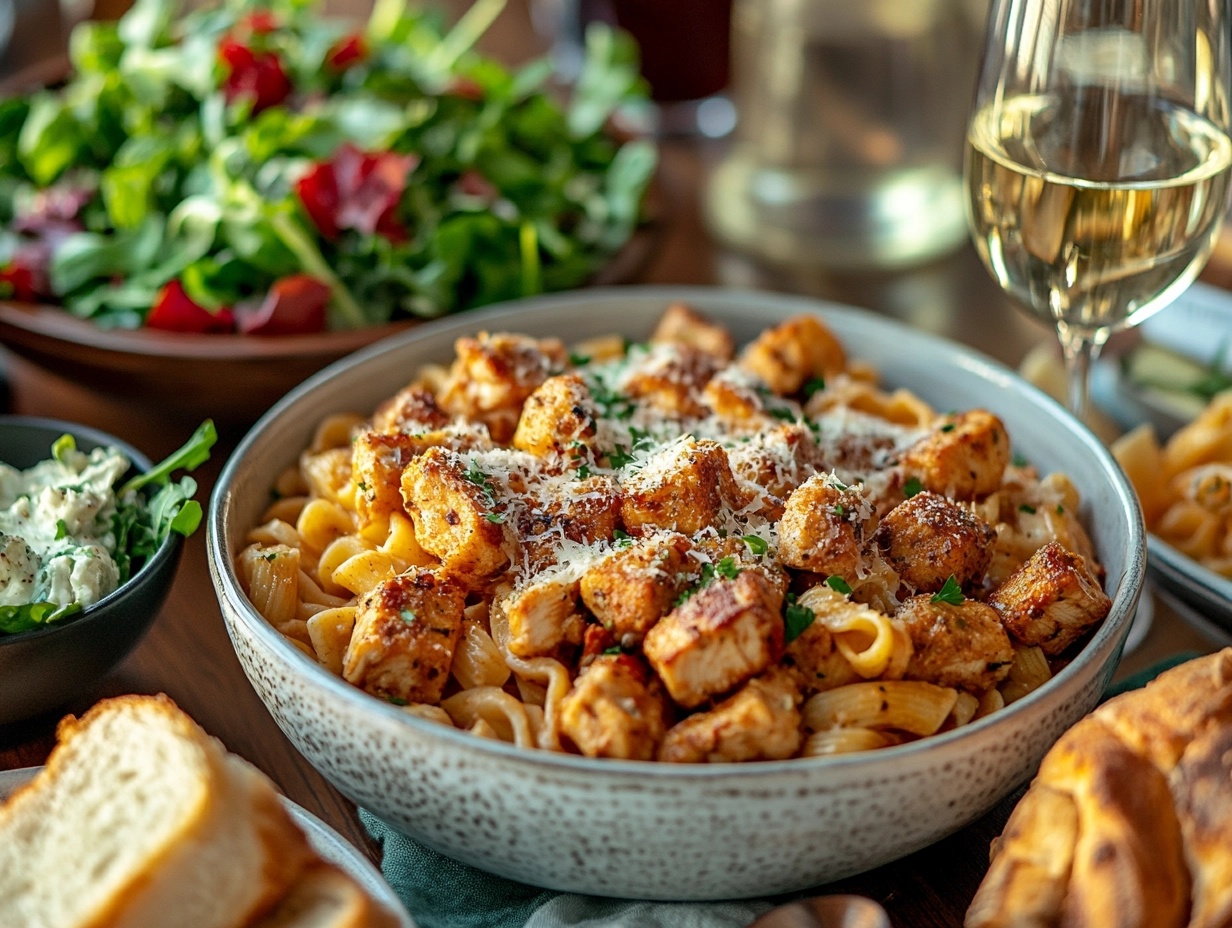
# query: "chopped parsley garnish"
x,y
61,529
619,457
583,472
756,544
783,413
1060,509
614,649
950,593
815,385
948,427
1030,510
397,701
484,482
840,510
579,360
838,584
726,568
614,405
272,556
796,619
912,487
622,538
1019,460
496,518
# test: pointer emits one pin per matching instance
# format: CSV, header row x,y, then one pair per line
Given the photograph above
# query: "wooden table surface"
x,y
187,653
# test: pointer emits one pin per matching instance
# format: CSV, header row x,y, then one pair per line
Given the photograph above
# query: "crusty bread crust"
x,y
1149,778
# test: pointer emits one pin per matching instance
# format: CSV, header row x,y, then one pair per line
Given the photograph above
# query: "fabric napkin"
x,y
442,893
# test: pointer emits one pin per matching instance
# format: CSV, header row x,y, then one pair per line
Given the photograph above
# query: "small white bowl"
x,y
664,831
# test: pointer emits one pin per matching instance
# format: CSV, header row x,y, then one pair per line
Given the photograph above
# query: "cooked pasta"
x,y
1186,485
676,551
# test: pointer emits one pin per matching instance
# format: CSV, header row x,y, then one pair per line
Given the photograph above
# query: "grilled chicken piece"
x,y
413,410
492,375
961,646
964,458
377,462
761,721
543,614
569,510
453,515
778,461
789,355
616,708
670,378
929,539
635,586
685,487
718,638
818,528
684,325
558,418
1050,600
406,630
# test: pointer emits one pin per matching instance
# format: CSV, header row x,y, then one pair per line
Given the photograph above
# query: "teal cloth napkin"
x,y
442,893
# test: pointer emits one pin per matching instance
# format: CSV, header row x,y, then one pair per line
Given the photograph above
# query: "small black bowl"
x,y
46,667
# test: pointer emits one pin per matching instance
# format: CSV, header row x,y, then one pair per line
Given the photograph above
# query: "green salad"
x,y
70,536
257,168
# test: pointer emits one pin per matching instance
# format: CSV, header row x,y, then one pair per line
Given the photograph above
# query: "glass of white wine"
x,y
1098,156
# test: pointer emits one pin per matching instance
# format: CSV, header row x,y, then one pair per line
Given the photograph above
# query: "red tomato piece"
x,y
347,51
357,191
17,281
255,76
295,305
175,311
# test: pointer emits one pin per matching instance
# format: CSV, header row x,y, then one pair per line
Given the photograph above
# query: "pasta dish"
x,y
1186,486
675,550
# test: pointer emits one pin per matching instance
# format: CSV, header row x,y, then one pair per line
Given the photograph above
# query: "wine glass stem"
x,y
1080,347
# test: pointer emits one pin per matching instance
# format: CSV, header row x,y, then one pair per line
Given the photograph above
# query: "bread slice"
x,y
326,897
141,820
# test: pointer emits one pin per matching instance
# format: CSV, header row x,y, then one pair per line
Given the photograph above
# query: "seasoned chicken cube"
x,y
964,458
725,553
815,663
819,530
682,324
761,721
636,585
718,638
961,646
492,376
454,512
616,708
791,354
737,398
558,418
1050,600
778,461
543,614
569,510
406,630
684,487
930,538
412,409
377,462
670,378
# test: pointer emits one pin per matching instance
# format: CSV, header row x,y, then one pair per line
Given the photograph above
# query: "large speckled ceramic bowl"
x,y
662,831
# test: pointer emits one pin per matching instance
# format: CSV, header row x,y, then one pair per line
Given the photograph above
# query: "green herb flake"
x,y
838,584
579,360
912,487
496,518
1060,509
397,701
815,385
61,529
1029,510
950,593
613,650
583,472
408,616
796,619
756,544
622,538
1019,460
63,447
948,427
727,568
783,413
840,510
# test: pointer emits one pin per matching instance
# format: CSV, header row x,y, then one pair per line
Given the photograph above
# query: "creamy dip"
x,y
57,542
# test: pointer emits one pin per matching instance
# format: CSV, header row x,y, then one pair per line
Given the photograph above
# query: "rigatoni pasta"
x,y
675,551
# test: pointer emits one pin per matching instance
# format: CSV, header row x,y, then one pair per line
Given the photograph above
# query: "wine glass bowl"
x,y
1097,161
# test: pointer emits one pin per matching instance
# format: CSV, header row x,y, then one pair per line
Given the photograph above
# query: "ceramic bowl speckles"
x,y
656,830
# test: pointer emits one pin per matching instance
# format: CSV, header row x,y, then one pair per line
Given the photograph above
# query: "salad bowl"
x,y
44,667
656,830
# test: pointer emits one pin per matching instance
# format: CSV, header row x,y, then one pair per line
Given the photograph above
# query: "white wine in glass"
x,y
1098,160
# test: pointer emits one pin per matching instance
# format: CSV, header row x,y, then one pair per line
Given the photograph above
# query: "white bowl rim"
x,y
226,582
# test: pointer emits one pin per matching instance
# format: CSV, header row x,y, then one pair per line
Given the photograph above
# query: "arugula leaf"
x,y
950,593
50,139
24,618
191,455
609,75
